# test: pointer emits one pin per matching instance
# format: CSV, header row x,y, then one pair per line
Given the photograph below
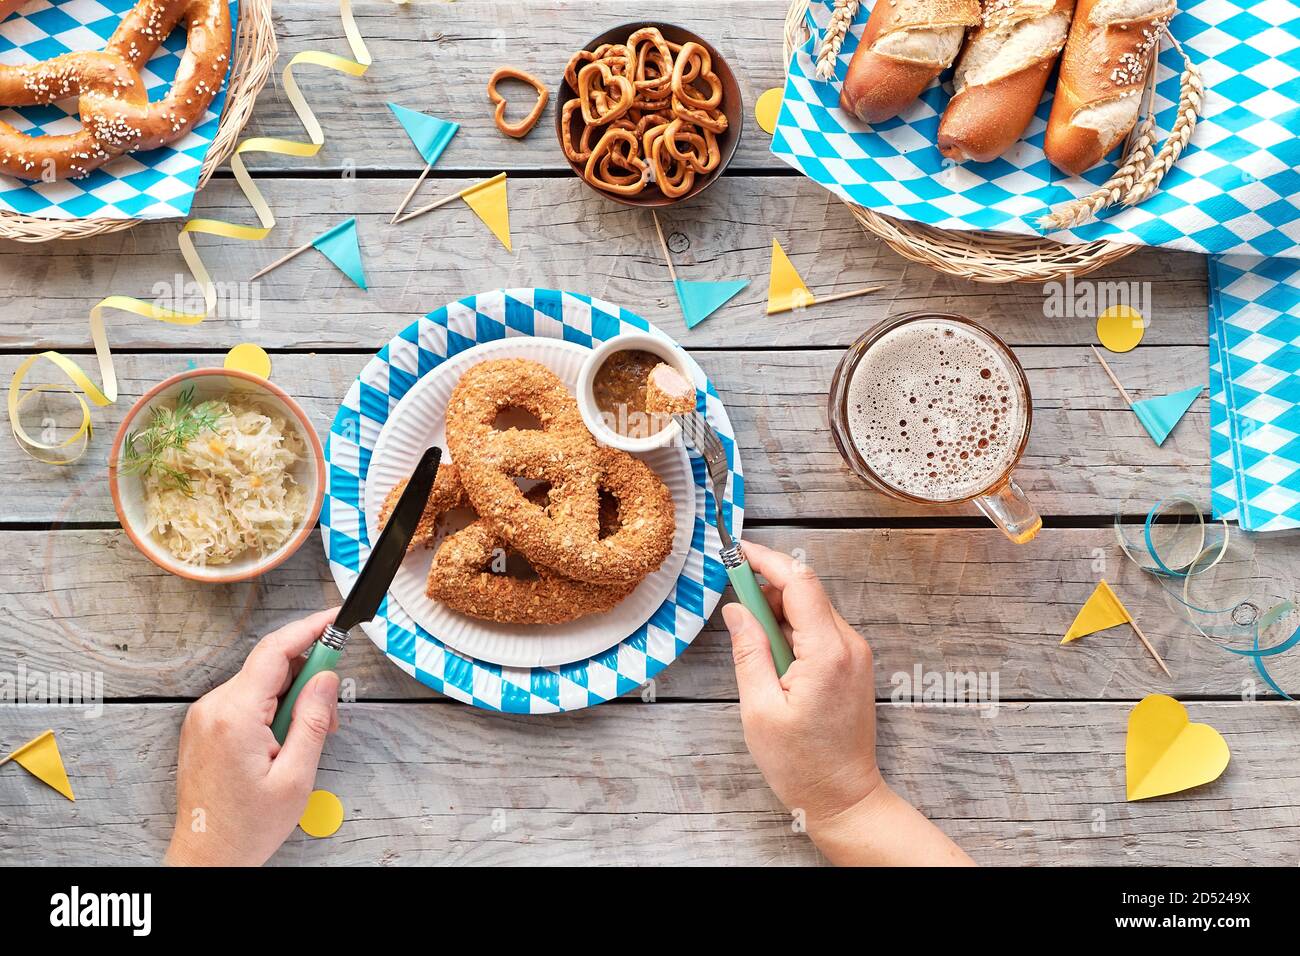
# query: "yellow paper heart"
x,y
1166,753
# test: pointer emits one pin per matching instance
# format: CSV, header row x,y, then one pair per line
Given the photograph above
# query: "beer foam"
x,y
936,410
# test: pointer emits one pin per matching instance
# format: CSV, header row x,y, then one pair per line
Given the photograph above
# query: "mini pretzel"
x,y
682,83
575,155
597,171
597,109
524,126
715,121
673,177
661,60
703,154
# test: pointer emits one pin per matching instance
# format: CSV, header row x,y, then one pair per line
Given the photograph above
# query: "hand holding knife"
x,y
367,594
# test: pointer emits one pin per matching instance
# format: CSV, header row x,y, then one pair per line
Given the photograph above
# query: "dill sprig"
x,y
170,428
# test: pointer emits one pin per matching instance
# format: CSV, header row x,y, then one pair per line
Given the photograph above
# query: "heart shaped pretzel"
x,y
596,81
524,126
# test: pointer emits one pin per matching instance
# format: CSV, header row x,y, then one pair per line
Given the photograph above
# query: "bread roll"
x,y
1001,76
1099,94
906,44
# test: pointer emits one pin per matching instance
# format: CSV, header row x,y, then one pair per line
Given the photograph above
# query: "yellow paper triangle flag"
x,y
40,758
1165,752
785,288
488,200
1101,611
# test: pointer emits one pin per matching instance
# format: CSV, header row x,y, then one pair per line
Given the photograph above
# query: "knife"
x,y
362,602
700,434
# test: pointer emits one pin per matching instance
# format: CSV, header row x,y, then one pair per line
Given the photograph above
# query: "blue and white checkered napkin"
x,y
1235,190
158,184
1255,391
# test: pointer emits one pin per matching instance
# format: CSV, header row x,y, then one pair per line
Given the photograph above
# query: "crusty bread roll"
x,y
906,44
1001,76
1099,94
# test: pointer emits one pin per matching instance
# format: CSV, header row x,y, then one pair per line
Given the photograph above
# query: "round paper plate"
x,y
418,421
425,345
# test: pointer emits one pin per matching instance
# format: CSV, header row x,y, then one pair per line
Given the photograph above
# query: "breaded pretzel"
x,y
458,576
564,536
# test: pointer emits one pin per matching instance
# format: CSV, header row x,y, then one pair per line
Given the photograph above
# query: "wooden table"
x,y
664,776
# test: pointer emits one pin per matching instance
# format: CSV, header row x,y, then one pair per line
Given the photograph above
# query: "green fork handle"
x,y
751,596
321,658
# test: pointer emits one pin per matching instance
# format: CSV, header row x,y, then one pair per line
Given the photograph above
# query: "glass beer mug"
x,y
931,408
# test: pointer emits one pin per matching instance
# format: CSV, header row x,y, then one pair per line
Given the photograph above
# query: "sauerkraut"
x,y
225,489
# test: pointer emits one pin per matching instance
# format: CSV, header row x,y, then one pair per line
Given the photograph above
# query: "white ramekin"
x,y
630,341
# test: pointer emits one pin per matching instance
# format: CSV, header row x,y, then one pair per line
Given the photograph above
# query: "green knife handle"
x,y
321,658
751,596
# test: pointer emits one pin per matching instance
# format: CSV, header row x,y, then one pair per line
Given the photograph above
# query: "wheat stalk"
x,y
1144,168
836,31
1191,96
1078,211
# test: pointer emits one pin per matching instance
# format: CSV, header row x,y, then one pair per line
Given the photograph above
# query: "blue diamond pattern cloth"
x,y
423,346
1235,190
1255,391
158,184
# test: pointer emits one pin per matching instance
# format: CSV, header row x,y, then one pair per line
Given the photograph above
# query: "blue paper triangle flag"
x,y
701,299
342,248
429,133
1159,415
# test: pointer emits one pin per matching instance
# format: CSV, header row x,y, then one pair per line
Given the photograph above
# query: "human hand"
x,y
812,732
239,794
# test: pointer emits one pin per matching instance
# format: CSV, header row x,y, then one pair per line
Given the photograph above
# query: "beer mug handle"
x,y
1009,509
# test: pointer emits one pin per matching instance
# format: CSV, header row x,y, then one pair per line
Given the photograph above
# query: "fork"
x,y
705,440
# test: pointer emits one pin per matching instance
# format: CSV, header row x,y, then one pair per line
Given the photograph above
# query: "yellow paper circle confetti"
x,y
323,816
768,108
1120,328
249,358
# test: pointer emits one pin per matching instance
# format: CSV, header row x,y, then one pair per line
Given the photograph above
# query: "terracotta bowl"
x,y
732,105
128,492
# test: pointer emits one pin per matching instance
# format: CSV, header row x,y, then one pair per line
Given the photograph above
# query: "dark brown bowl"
x,y
732,106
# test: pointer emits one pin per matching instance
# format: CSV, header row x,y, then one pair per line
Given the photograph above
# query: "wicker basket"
x,y
993,257
254,55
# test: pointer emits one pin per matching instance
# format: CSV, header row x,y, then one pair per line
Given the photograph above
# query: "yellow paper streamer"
x,y
83,389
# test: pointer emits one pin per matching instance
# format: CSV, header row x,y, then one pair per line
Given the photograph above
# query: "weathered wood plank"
x,y
565,237
1087,455
671,784
946,601
437,57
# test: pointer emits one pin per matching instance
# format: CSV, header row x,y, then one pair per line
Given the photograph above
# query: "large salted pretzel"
x,y
116,115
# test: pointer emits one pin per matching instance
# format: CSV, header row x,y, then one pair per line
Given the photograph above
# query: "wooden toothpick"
x,y
1121,388
281,261
431,207
663,244
409,195
847,295
1147,644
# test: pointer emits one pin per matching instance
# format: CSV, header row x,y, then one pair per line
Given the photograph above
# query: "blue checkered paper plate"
x,y
1255,391
158,184
1236,189
373,397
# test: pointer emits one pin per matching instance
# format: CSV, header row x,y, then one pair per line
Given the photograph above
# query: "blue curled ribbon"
x,y
1161,568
